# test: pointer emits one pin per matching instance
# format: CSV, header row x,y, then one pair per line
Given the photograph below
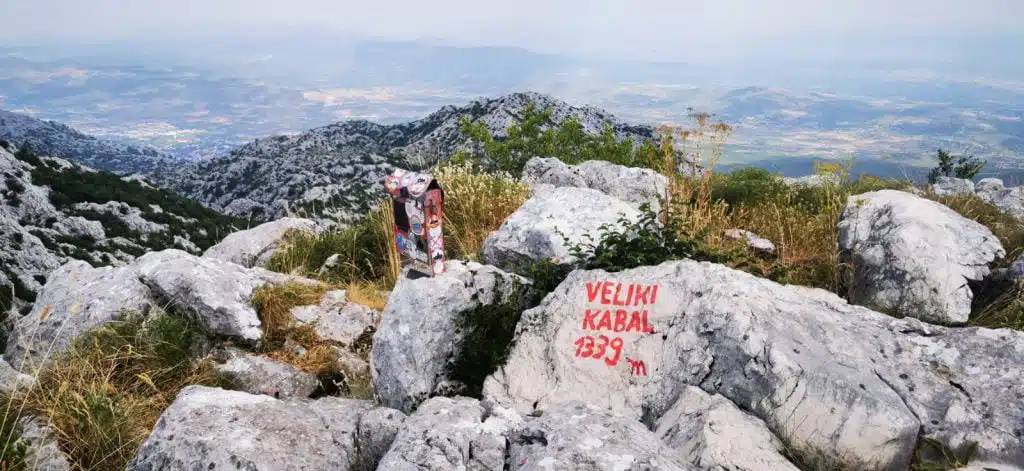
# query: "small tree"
x,y
965,166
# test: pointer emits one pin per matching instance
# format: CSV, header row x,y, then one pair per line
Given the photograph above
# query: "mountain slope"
x,y
52,210
58,140
336,170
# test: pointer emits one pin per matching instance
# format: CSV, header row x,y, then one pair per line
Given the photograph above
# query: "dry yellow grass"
x,y
475,205
103,396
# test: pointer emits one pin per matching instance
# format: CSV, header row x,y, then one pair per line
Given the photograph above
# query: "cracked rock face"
x,y
635,186
210,428
450,433
914,256
336,319
418,338
76,298
795,358
585,438
535,231
1009,200
254,247
712,433
216,292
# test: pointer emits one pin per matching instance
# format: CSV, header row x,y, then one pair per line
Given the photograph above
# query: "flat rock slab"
x,y
210,428
796,358
260,375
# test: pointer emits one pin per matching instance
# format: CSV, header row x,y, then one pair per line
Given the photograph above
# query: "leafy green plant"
x,y
487,334
537,135
645,242
749,186
962,167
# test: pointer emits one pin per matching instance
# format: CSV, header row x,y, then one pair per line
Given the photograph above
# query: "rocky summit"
x,y
159,342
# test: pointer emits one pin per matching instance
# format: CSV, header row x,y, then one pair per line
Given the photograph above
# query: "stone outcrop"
x,y
949,186
76,298
420,334
254,247
795,358
635,186
913,256
336,319
550,224
210,428
260,375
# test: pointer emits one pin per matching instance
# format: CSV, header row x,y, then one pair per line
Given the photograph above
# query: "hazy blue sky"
x,y
670,28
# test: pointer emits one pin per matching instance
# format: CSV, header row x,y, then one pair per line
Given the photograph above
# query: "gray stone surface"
x,y
418,337
710,432
337,319
826,376
535,231
450,433
1009,200
76,298
260,375
210,428
635,186
913,256
946,186
43,451
587,438
253,247
216,293
11,380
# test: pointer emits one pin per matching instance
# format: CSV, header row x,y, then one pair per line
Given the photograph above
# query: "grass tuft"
x,y
104,395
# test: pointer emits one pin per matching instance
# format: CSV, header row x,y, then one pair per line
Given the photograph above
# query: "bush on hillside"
x,y
565,140
964,166
104,395
747,186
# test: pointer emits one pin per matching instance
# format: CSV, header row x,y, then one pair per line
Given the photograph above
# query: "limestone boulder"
x,y
253,247
550,224
211,428
949,186
419,338
635,186
913,256
76,298
795,358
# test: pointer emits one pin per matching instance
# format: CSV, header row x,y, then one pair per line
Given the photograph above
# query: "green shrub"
x,y
749,186
12,448
104,395
645,243
964,166
487,334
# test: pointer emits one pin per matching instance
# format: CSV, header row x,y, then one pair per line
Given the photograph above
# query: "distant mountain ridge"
x,y
54,139
53,211
334,171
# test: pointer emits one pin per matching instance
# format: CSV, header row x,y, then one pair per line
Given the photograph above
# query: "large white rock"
x,y
210,428
825,376
253,247
76,298
216,293
710,432
336,319
419,339
451,433
913,256
582,437
946,186
635,186
539,228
